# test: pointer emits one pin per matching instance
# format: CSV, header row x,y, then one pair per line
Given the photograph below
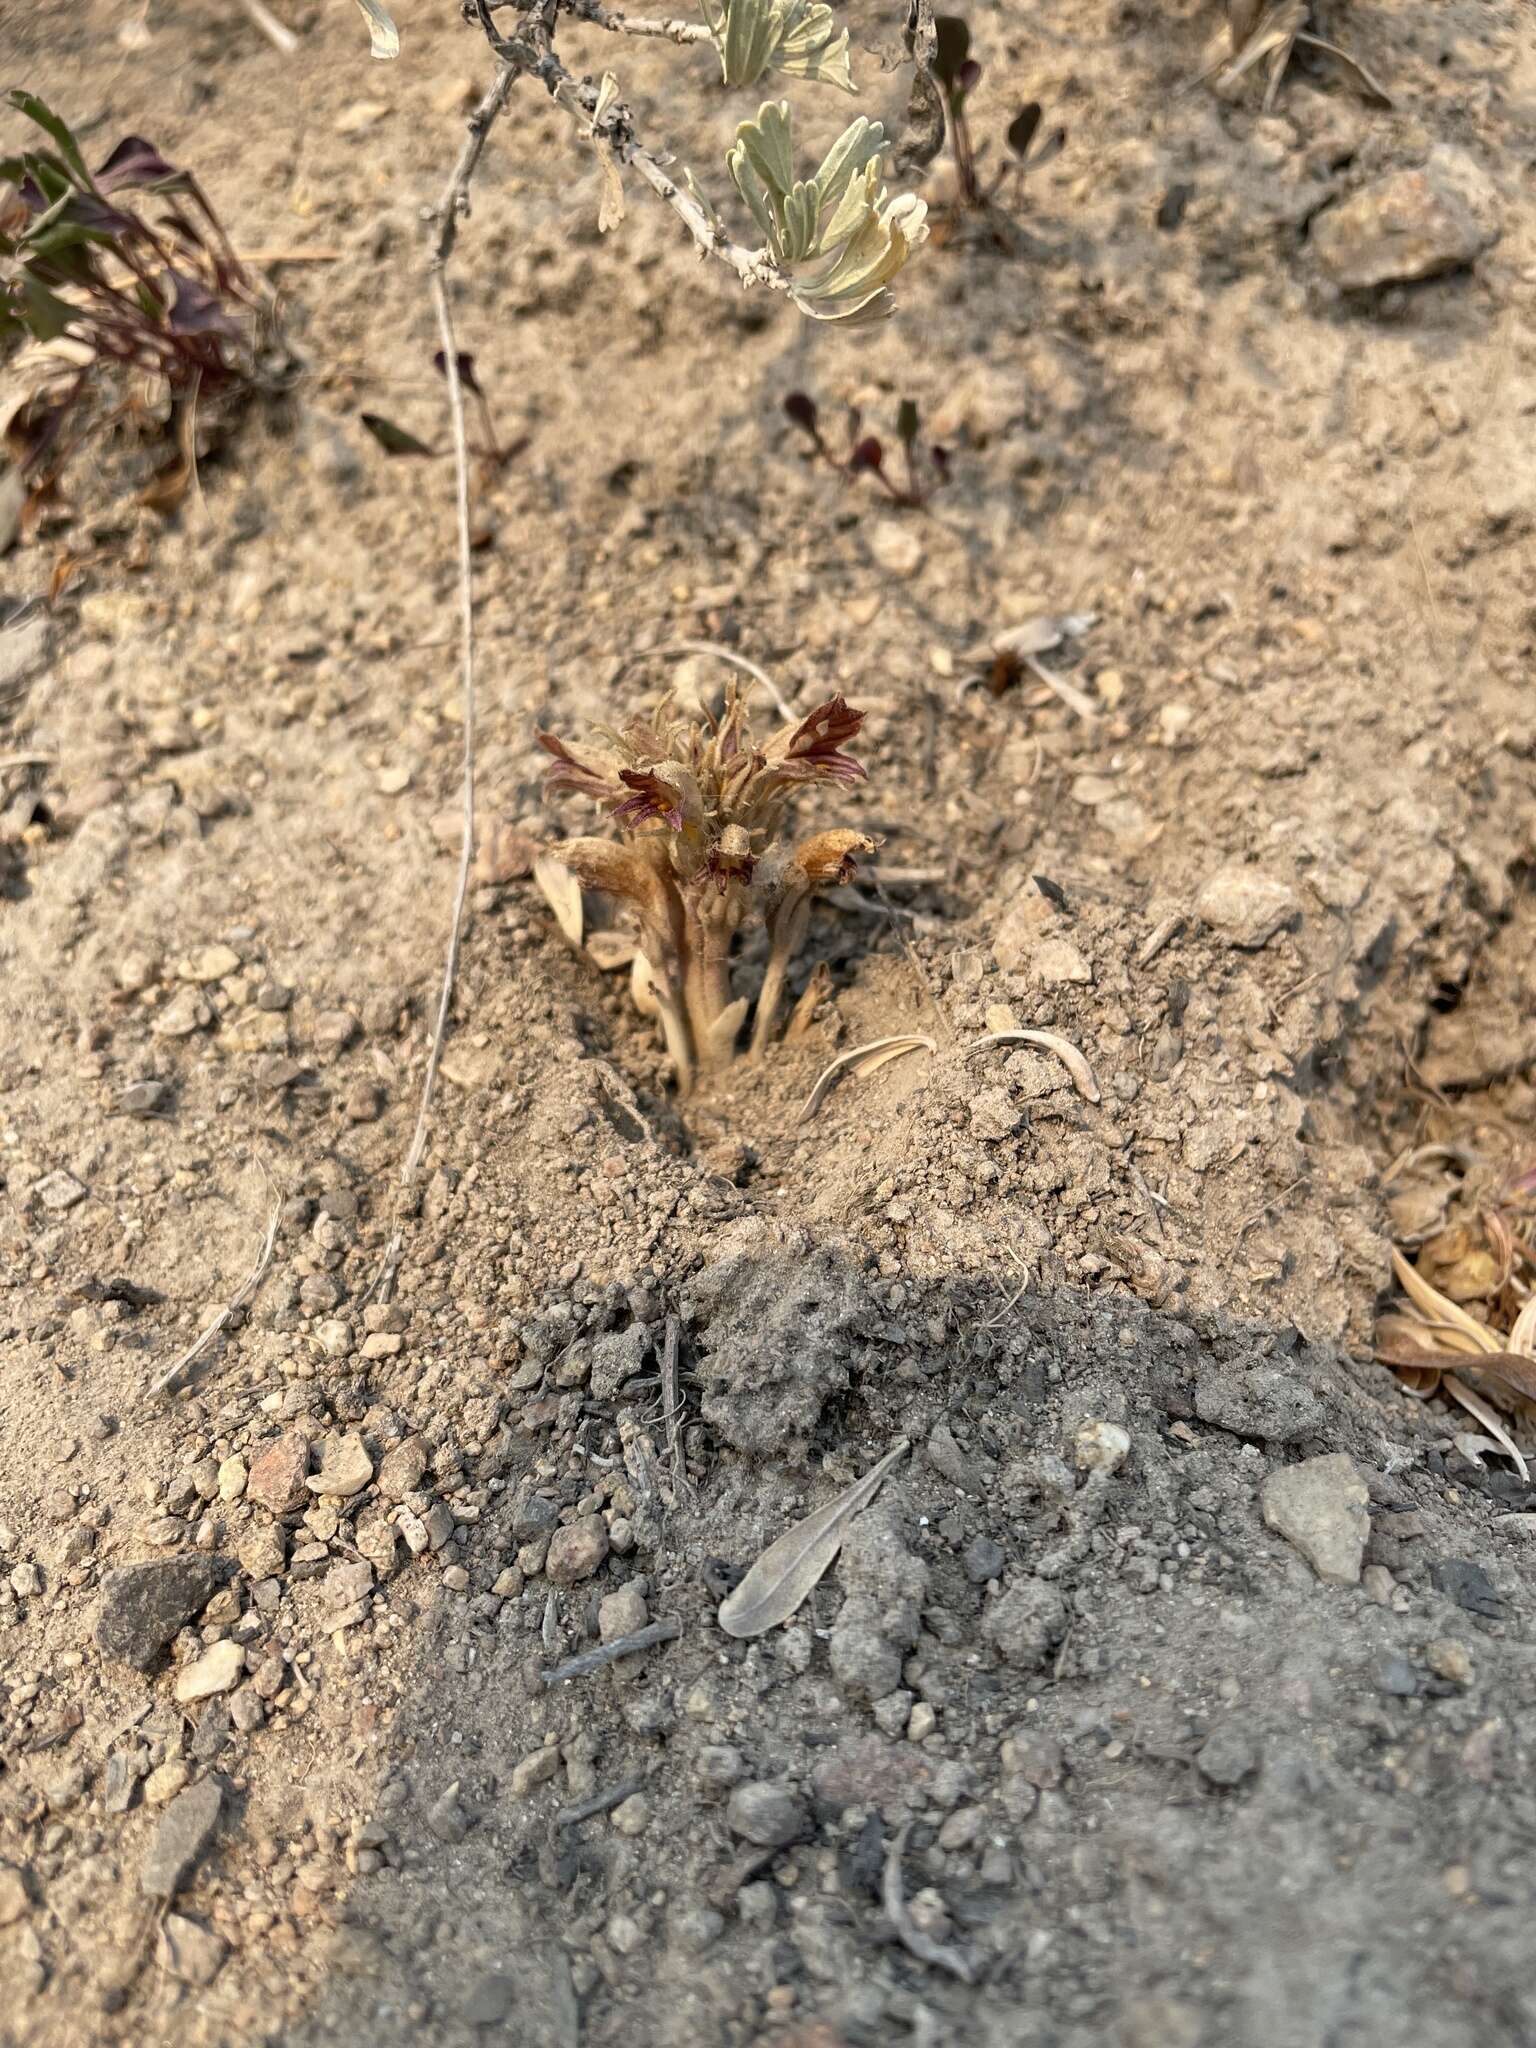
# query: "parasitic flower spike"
x,y
700,808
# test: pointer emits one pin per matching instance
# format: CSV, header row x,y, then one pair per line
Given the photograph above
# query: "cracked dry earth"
x,y
1227,1743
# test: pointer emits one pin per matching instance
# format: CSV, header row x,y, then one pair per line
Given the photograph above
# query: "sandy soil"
x,y
1148,1774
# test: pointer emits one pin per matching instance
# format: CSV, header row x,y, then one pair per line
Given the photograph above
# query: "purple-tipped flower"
x,y
867,454
812,752
652,797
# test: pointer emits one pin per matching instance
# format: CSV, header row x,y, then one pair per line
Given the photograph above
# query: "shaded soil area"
x,y
1222,1740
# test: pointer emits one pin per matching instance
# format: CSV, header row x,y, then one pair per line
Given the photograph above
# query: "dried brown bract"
x,y
700,807
1466,1323
1268,33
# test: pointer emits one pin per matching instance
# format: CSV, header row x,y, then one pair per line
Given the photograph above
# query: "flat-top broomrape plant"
x,y
700,807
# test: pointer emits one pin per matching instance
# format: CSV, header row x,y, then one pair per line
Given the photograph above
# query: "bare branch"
x,y
633,24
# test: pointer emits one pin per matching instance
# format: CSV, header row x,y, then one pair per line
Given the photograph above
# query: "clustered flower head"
x,y
699,806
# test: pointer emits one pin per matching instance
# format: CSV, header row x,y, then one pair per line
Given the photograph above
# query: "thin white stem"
x,y
277,33
453,204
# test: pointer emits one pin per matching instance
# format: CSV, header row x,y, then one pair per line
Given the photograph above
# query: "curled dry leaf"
x,y
1475,1405
1439,1309
779,1582
1049,1041
863,1060
562,892
938,1954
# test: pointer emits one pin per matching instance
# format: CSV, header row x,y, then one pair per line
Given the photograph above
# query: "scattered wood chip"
x,y
784,1575
1049,1041
861,1061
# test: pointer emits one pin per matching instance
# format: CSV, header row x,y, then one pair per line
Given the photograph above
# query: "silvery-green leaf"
x,y
860,142
705,205
767,142
793,36
808,48
751,190
861,199
801,210
751,30
824,65
383,36
854,280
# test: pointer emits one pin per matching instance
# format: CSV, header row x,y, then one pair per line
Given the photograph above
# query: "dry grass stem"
x,y
238,1300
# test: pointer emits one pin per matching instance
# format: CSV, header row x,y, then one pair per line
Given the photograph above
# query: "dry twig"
x,y
622,1646
671,1402
247,1288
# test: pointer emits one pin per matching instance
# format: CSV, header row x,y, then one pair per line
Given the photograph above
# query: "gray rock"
x,y
880,1620
143,1605
1395,1675
1247,908
402,1468
124,1769
778,1328
447,1818
59,1191
1226,1757
984,1559
490,1999
533,1516
1321,1508
191,1953
719,1766
1025,1624
1410,224
185,1830
1057,962
865,1661
617,1357
971,1475
769,1815
697,1928
1262,1401
1465,1582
